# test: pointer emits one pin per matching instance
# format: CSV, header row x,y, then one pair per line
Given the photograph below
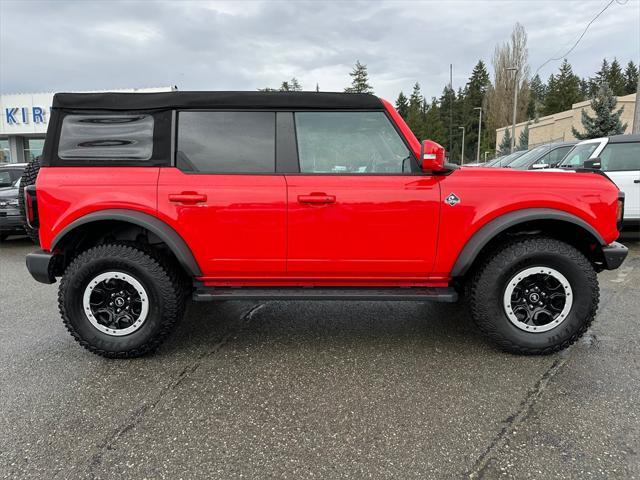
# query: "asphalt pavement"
x,y
317,390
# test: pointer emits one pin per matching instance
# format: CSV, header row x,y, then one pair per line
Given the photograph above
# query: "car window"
x,y
528,157
5,178
350,143
620,157
106,137
578,154
226,142
553,157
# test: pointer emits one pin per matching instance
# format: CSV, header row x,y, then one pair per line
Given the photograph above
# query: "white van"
x,y
620,159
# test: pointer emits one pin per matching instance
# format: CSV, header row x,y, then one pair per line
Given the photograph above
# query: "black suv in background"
x,y
11,222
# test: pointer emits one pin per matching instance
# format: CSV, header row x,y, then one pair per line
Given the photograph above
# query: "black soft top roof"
x,y
217,100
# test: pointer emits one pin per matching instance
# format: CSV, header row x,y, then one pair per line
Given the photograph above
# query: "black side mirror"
x,y
593,164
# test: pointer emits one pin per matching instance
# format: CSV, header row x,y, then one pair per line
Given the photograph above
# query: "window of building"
x,y
350,143
620,157
32,148
5,151
106,137
226,142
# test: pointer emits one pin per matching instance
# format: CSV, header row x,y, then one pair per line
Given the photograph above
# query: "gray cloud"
x,y
72,45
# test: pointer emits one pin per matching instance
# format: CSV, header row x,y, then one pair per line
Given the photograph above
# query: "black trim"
x,y
286,148
167,234
217,100
614,254
485,234
417,294
40,266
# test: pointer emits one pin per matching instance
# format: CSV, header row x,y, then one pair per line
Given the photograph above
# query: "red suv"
x,y
145,200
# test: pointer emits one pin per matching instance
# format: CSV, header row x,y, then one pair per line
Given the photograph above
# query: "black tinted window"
x,y
226,142
620,156
106,137
350,142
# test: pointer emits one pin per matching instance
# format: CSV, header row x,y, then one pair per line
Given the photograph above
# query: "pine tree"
x,y
631,79
474,96
602,75
359,80
536,100
606,121
616,79
434,129
523,140
414,112
402,105
562,91
505,144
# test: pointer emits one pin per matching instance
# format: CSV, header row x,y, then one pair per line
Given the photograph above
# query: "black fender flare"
x,y
498,225
159,228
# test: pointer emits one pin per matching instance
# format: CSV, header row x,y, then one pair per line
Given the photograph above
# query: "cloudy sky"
x,y
245,45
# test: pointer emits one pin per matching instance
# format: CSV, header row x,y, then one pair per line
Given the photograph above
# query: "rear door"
x,y
621,162
223,195
359,210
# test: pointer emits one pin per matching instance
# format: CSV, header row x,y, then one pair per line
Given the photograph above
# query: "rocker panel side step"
x,y
208,294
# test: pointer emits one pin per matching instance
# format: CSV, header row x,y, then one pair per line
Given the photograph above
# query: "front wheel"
x,y
534,296
120,301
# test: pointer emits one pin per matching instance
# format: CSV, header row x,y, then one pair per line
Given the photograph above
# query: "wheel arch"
x,y
110,217
555,223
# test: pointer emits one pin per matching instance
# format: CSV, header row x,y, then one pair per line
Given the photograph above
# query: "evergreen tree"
x,y
602,75
414,112
616,79
523,140
505,144
434,129
359,80
631,79
536,99
447,104
606,121
402,105
562,91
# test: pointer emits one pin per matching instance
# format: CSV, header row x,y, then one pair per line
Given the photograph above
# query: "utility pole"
x,y
479,131
515,106
636,113
462,153
450,108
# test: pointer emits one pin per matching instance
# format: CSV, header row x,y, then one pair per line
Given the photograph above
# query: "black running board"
x,y
204,294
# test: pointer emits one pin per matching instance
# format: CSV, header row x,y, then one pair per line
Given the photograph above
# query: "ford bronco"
x,y
143,201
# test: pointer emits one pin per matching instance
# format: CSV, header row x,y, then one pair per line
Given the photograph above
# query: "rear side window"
x,y
226,142
350,143
620,157
106,137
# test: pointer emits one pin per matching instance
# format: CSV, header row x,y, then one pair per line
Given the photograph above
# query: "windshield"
x,y
530,156
578,154
505,160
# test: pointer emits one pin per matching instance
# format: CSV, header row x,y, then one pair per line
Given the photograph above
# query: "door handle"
x,y
187,197
317,199
636,181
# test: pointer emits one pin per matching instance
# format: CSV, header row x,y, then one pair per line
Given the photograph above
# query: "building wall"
x,y
557,127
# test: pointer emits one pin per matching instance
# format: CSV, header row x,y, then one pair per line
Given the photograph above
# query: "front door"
x,y
223,195
360,211
621,162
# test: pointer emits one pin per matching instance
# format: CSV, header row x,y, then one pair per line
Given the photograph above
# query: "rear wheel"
x,y
119,301
534,296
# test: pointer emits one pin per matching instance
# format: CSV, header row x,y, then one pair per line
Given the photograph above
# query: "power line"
x,y
579,38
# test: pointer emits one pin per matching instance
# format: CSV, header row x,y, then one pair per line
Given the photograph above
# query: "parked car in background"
x,y
505,159
544,156
10,218
619,157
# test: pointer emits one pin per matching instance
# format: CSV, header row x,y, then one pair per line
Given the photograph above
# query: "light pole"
x,y
485,155
479,131
462,153
515,106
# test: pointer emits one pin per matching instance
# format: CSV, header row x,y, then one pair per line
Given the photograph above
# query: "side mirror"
x,y
432,157
593,164
539,166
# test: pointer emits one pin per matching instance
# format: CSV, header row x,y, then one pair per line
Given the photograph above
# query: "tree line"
x,y
443,118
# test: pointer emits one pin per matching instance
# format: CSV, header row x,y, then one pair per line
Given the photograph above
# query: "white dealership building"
x,y
24,118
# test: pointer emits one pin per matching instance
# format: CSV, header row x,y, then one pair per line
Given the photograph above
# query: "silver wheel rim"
x,y
115,303
538,299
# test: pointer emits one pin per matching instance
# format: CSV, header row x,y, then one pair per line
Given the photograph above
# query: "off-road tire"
x,y
489,282
160,280
28,178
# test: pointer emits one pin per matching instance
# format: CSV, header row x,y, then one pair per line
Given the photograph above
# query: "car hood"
x,y
9,192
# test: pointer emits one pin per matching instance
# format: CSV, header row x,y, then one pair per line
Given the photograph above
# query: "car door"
x,y
621,162
551,158
223,195
359,210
